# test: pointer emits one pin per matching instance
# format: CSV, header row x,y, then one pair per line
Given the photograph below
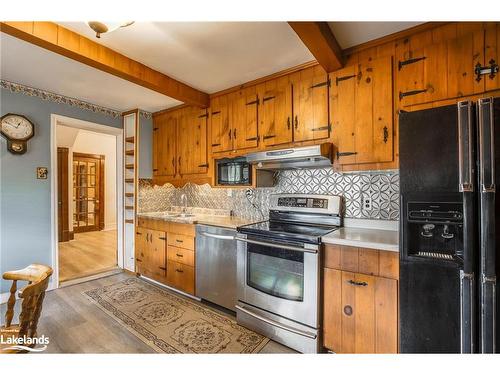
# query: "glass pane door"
x,y
86,189
277,272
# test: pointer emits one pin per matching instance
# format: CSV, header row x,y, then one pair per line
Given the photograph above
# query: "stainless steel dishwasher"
x,y
216,265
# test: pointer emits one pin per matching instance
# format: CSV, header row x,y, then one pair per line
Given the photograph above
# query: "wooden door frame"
x,y
63,194
117,132
102,185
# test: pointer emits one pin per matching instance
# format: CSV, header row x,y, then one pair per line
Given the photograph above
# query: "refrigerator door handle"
x,y
487,146
467,312
465,146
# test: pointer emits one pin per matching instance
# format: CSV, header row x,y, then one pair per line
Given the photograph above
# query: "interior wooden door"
x,y
221,131
245,105
88,192
275,112
63,194
310,105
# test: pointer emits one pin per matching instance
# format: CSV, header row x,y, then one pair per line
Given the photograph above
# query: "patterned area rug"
x,y
170,323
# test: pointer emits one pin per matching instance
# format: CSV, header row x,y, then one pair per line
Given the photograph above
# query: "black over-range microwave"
x,y
235,171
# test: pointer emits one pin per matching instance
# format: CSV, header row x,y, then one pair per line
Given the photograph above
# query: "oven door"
x,y
282,278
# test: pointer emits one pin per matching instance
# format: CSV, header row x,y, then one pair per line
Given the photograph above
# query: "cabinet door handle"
x,y
138,260
203,165
179,161
296,122
229,133
357,283
215,144
386,134
288,123
179,255
162,238
138,233
173,161
234,133
178,270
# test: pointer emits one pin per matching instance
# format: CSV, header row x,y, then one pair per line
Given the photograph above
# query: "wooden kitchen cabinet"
x,y
180,276
221,130
151,256
164,145
310,104
275,112
192,145
492,56
360,307
245,105
440,70
361,112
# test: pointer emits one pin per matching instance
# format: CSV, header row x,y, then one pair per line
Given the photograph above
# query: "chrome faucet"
x,y
184,203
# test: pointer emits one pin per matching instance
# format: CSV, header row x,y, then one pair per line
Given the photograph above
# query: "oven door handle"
x,y
278,246
276,324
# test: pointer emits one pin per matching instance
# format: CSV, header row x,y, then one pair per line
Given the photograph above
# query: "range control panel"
x,y
302,202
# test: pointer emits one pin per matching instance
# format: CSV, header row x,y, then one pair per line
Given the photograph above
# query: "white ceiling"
x,y
209,56
349,34
29,65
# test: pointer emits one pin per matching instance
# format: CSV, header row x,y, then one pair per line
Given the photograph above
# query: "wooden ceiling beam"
x,y
320,40
67,43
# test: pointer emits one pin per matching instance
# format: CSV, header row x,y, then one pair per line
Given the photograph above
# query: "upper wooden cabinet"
x,y
221,131
428,72
361,112
310,104
245,104
492,55
275,112
192,145
164,145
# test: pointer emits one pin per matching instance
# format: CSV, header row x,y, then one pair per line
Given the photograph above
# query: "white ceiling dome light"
x,y
106,27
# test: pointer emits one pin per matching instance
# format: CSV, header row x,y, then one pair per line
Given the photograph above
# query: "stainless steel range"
x,y
279,269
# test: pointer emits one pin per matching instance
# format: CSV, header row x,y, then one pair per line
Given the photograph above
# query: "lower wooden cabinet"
x,y
165,252
360,310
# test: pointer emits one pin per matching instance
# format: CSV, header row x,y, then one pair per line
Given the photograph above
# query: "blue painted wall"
x,y
25,201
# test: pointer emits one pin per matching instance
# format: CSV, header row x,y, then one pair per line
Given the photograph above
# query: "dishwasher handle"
x,y
217,236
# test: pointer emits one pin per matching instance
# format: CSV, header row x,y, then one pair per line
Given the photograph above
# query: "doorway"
x,y
89,200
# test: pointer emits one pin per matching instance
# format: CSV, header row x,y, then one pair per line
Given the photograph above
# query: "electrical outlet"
x,y
367,203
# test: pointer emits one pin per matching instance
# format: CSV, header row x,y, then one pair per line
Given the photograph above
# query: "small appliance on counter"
x,y
279,269
450,228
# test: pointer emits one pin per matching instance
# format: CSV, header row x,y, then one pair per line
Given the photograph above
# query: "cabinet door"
x,y
140,249
170,145
275,112
156,258
342,110
221,132
463,54
192,147
180,276
360,313
492,56
245,104
373,123
310,105
157,145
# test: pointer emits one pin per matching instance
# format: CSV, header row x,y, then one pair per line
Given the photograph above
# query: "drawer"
x,y
180,276
180,255
180,240
180,228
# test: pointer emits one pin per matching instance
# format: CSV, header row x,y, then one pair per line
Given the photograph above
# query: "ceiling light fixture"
x,y
106,27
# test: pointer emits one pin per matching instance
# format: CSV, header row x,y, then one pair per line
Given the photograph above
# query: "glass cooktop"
x,y
288,231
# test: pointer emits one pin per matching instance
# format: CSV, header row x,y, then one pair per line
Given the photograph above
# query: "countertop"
x,y
387,240
219,221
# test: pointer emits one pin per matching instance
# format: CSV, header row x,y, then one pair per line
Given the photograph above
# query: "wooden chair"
x,y
37,276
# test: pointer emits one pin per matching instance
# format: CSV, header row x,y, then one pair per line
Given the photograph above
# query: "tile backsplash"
x,y
381,188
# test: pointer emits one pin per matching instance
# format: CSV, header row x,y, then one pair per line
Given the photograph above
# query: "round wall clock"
x,y
17,130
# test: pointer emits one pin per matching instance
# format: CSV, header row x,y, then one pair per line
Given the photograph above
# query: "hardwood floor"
x,y
75,325
88,254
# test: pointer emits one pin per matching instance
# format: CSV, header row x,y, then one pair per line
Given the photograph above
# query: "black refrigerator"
x,y
450,228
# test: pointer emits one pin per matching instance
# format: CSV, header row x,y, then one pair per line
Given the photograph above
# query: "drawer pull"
x,y
178,270
180,241
138,260
162,238
179,255
162,268
357,283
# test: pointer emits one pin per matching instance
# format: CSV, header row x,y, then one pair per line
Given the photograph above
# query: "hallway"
x,y
88,254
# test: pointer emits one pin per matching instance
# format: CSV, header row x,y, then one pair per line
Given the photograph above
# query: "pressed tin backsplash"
x,y
381,187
